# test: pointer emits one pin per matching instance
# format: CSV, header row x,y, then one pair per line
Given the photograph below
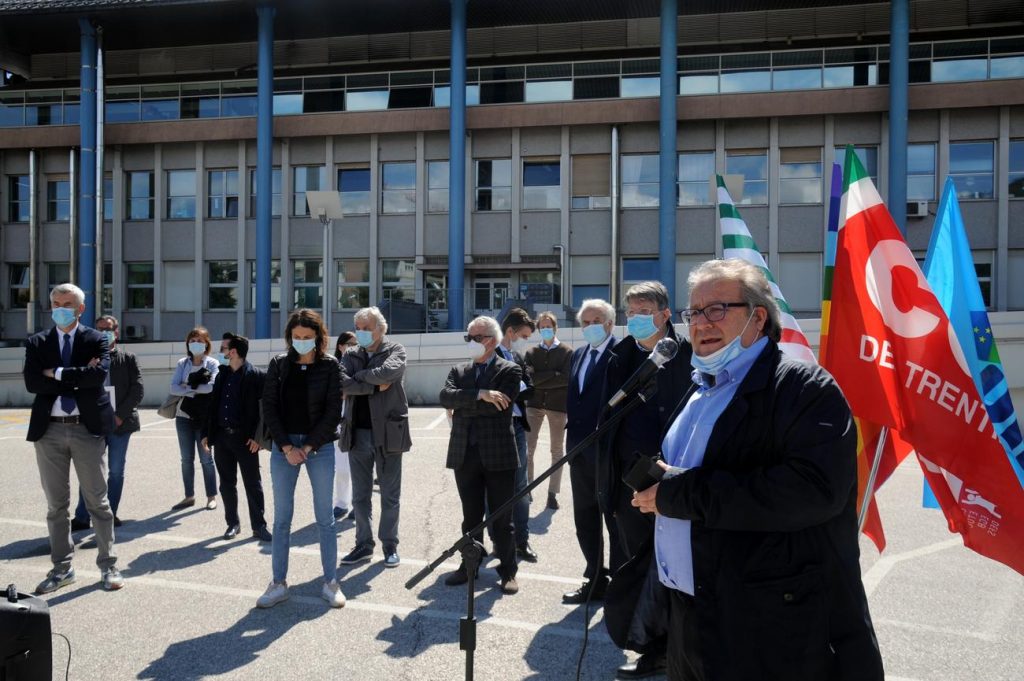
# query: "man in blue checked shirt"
x,y
756,531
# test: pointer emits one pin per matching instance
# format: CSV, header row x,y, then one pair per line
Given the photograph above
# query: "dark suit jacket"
x,y
527,392
81,381
774,534
493,427
126,379
251,391
583,409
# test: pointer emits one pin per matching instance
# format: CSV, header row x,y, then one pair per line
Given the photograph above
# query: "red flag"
x,y
896,357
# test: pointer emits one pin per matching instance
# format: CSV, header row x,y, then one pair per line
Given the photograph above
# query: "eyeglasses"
x,y
479,338
715,312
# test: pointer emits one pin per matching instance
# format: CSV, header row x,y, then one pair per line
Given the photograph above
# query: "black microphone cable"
x,y
67,670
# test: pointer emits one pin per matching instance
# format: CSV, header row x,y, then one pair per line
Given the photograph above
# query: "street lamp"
x,y
326,206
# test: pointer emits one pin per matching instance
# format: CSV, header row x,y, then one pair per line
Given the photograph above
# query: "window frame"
x,y
625,196
436,189
990,173
748,182
363,287
224,195
686,183
212,285
546,191
188,201
275,285
53,203
492,190
131,197
307,285
275,200
407,193
296,193
145,286
16,200
24,284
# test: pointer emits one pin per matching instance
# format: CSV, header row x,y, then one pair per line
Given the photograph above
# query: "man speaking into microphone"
x,y
756,527
649,320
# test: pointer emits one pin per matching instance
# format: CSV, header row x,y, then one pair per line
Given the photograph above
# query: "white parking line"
x,y
878,571
436,422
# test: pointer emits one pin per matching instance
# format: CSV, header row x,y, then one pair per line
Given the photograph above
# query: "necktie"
x,y
590,367
480,368
66,403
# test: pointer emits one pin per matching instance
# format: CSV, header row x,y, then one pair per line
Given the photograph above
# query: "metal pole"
x,y
457,169
323,275
32,311
72,216
87,195
99,172
264,162
869,492
613,288
899,81
668,171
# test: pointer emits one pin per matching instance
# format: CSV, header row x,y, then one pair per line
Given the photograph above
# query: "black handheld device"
x,y
644,473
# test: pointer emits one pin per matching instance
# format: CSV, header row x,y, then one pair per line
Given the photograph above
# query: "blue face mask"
x,y
547,334
63,316
223,359
594,334
641,326
712,364
364,338
197,348
303,346
110,338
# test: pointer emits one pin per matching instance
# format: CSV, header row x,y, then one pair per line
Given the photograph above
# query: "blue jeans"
x,y
189,438
117,453
521,511
283,476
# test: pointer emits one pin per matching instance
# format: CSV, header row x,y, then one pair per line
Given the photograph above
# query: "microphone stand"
x,y
472,550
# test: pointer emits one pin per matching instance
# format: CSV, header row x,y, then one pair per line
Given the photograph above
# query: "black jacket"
x,y
251,391
527,392
582,409
493,427
126,380
81,381
774,534
324,399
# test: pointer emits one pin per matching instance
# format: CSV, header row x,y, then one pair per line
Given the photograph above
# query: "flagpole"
x,y
870,491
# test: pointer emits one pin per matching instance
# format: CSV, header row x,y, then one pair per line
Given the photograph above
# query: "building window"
x,y
108,197
140,195
398,280
591,181
800,175
19,289
398,188
983,268
306,179
354,187
868,157
752,164
436,284
275,189
308,283
437,186
275,284
353,284
56,273
490,291
542,184
1016,189
494,184
921,172
107,302
222,199
637,270
696,170
581,292
178,287
541,287
971,168
58,200
640,181
140,285
181,194
18,192
223,284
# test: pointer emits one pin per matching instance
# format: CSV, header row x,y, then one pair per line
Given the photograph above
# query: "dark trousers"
x,y
588,516
684,659
477,486
231,455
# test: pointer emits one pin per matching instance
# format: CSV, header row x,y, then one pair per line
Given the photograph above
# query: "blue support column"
x,y
87,173
899,81
457,170
668,170
264,164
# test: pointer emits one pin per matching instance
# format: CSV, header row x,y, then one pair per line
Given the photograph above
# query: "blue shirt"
x,y
683,448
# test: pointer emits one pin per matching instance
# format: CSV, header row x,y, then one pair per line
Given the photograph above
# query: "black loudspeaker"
x,y
25,652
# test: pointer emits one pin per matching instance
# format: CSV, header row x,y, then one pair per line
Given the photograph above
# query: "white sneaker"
x,y
275,593
332,594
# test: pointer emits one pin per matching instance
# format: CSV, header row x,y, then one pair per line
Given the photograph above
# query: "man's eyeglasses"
x,y
479,338
715,312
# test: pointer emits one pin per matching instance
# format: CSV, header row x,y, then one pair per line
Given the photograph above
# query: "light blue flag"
x,y
949,268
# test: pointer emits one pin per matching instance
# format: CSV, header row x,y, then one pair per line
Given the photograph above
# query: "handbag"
x,y
169,408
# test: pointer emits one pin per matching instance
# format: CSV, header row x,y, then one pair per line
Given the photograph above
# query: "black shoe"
x,y
553,501
117,521
262,533
359,554
580,595
650,664
79,525
232,531
340,513
524,552
456,578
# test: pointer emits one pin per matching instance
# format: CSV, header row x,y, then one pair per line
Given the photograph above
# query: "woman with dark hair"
x,y
342,470
301,408
193,381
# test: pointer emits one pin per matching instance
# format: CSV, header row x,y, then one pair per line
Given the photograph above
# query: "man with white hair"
x,y
482,450
375,432
66,368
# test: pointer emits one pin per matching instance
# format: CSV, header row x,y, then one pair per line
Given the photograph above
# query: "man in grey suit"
x,y
66,368
482,449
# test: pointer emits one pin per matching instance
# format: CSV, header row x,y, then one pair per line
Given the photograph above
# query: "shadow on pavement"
x,y
553,655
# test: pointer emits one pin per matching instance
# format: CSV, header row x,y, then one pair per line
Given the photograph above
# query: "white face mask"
x,y
713,363
475,350
520,345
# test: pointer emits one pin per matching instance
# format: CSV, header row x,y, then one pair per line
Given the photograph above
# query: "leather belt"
x,y
66,419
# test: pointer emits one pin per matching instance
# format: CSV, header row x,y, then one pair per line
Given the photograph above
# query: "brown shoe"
x,y
184,503
509,586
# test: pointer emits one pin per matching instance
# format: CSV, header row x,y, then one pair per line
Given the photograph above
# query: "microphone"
x,y
665,350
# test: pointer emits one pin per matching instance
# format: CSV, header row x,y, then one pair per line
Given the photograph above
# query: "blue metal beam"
x,y
87,174
668,171
457,169
264,164
899,80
